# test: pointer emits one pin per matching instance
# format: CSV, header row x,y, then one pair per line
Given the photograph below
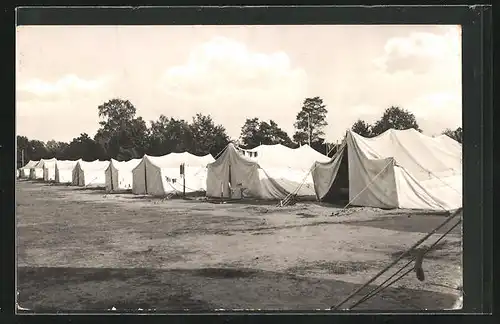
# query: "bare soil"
x,y
88,250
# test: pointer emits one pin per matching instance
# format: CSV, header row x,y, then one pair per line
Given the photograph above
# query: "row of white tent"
x,y
154,175
397,169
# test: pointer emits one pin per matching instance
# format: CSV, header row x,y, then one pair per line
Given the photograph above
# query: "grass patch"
x,y
226,273
333,267
306,215
440,251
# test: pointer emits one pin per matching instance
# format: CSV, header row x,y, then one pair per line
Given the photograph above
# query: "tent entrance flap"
x,y
339,191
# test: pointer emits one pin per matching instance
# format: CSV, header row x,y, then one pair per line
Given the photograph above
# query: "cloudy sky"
x,y
234,73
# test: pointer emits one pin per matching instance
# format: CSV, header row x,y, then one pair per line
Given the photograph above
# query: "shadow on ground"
x,y
401,223
98,289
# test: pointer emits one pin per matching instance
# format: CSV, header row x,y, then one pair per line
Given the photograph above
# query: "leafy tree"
x,y
169,135
310,121
115,112
255,133
206,136
323,147
455,134
120,130
395,118
37,150
362,128
275,134
131,137
250,135
56,149
85,148
23,147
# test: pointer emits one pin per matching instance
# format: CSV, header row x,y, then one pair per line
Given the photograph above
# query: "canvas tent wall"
x,y
265,172
64,171
160,175
49,170
37,172
25,170
90,174
119,174
397,169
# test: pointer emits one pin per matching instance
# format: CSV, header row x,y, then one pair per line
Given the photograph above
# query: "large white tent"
x,y
397,169
160,175
49,170
64,170
265,172
37,171
119,174
90,174
25,170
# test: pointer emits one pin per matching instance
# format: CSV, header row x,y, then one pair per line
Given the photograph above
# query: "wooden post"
x,y
183,174
145,176
22,157
309,128
111,174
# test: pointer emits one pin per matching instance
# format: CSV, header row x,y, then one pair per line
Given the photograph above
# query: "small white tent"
x,y
49,170
119,174
397,169
160,175
37,171
64,171
25,170
90,174
265,172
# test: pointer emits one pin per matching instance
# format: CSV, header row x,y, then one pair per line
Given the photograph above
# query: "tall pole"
x,y
309,127
183,180
22,157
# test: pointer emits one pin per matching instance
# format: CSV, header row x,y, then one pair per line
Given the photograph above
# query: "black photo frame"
x,y
477,98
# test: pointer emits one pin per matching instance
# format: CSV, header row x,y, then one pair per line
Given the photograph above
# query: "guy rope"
x,y
289,197
417,267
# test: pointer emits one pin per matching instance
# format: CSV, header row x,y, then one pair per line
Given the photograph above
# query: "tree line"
x,y
397,118
122,135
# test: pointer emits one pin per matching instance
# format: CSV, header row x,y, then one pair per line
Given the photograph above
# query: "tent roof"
x,y
279,156
30,164
173,160
419,154
450,143
66,164
93,165
42,162
124,165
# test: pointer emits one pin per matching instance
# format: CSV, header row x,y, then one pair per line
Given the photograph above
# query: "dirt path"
x,y
268,257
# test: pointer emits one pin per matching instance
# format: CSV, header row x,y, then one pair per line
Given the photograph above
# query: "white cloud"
x,y
68,83
420,73
437,111
36,119
422,51
223,75
262,74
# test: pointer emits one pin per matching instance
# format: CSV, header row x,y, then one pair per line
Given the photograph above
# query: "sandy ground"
x,y
87,250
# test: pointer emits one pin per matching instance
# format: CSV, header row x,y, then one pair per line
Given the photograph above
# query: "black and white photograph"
x,y
238,167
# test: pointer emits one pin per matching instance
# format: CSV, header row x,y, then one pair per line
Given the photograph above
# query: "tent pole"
x,y
111,174
145,178
309,128
183,180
